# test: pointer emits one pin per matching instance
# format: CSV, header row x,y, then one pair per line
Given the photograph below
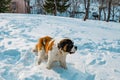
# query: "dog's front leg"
x,y
63,62
50,61
40,56
39,59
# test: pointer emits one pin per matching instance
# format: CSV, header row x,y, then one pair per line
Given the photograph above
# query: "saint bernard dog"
x,y
53,50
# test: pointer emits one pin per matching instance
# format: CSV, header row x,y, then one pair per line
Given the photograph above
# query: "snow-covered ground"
x,y
97,57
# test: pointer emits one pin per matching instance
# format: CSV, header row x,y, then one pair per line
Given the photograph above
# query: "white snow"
x,y
97,57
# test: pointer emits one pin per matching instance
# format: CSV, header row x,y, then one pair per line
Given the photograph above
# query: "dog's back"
x,y
42,44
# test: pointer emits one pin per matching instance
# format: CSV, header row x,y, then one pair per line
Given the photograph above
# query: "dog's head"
x,y
67,45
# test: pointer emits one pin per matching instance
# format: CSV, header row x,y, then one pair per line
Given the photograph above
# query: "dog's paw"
x,y
65,67
39,62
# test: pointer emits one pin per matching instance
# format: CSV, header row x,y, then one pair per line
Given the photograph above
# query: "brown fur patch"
x,y
65,48
49,47
42,43
64,45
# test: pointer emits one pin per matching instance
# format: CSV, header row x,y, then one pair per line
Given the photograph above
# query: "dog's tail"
x,y
34,51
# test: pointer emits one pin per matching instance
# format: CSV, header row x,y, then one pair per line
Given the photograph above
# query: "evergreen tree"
x,y
49,6
62,6
4,5
54,6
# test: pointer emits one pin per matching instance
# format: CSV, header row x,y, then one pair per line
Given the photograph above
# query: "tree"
x,y
115,9
54,6
102,7
87,6
27,5
74,7
39,6
62,5
109,9
4,5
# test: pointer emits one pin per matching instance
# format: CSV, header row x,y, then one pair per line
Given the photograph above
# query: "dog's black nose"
x,y
76,47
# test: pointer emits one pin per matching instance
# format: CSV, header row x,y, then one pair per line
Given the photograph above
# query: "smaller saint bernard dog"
x,y
54,49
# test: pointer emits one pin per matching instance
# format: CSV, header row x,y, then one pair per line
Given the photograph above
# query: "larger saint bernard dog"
x,y
53,50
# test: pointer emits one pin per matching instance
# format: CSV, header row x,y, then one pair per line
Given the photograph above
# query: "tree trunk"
x,y
101,7
73,11
100,10
55,8
86,9
28,6
104,15
109,9
119,15
113,13
85,3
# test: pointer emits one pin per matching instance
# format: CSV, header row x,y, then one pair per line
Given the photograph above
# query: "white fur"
x,y
56,55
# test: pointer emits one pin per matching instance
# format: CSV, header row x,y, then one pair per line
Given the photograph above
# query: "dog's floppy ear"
x,y
63,46
62,43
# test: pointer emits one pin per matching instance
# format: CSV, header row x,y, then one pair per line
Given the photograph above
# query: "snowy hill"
x,y
97,57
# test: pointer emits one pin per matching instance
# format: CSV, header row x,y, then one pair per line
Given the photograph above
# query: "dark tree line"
x,y
107,9
54,6
4,6
105,5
